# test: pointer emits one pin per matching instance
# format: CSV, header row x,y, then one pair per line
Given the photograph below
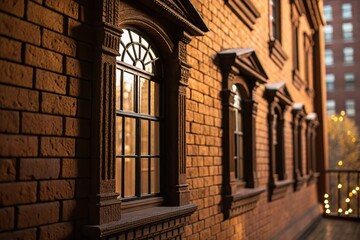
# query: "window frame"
x,y
240,67
329,57
330,82
350,107
330,103
348,53
328,33
346,14
347,33
328,12
349,80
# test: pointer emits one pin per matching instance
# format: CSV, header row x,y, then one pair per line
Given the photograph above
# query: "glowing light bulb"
x,y
357,188
347,200
326,195
342,113
339,210
354,191
340,163
335,119
326,201
346,212
339,185
350,210
328,211
350,194
349,132
327,206
353,139
341,119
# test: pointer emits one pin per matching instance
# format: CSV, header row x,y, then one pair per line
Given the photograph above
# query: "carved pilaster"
x,y
105,206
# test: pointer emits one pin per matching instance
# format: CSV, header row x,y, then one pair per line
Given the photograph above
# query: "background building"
x,y
342,39
161,119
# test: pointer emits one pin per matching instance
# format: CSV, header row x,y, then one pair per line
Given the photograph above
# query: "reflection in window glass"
x,y
330,82
328,12
328,33
329,58
347,31
137,118
330,107
349,81
346,10
350,108
348,55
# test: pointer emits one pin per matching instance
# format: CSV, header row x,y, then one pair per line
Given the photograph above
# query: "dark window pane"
x,y
144,176
119,136
144,137
155,138
155,175
130,136
129,184
144,96
155,94
128,92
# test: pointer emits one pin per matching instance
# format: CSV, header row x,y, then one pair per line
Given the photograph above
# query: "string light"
x,y
357,188
354,191
340,210
326,195
328,211
346,212
347,200
339,185
327,206
342,113
340,163
350,210
326,201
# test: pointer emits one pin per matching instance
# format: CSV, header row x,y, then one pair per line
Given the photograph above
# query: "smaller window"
x,y
330,107
347,31
346,11
329,58
348,55
328,33
330,82
275,20
350,108
328,12
349,81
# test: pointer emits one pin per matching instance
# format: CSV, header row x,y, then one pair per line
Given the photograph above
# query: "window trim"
x,y
107,217
312,124
242,68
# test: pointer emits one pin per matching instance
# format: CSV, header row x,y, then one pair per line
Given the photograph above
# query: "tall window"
x,y
137,117
329,58
328,12
275,19
348,55
330,82
278,145
347,31
328,33
330,107
346,10
350,108
349,81
238,136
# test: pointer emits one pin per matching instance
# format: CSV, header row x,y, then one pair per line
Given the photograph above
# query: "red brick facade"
x,y
49,89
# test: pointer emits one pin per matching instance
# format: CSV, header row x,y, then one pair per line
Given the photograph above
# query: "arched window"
x,y
138,79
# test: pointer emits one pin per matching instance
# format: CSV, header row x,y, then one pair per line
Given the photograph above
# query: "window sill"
x,y
277,53
242,201
300,182
162,221
278,189
313,178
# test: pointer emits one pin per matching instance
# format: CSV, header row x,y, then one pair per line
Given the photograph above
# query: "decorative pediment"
x,y
299,108
312,119
278,92
314,14
182,13
241,61
245,10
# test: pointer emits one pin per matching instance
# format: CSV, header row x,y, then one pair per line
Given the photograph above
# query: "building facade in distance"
x,y
161,119
342,39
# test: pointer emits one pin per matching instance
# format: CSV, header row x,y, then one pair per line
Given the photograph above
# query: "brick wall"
x,y
45,96
45,109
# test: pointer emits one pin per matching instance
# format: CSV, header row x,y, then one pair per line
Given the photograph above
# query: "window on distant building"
x,y
350,108
328,32
330,82
329,58
348,55
346,10
347,31
330,107
328,12
349,81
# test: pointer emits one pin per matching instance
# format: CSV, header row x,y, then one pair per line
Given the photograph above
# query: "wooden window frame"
x,y
311,126
109,217
242,68
279,100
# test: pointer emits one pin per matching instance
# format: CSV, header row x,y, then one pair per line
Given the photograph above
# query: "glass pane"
x,y
129,184
144,137
155,94
239,122
118,137
155,175
128,91
155,138
144,96
130,136
118,175
144,176
118,88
